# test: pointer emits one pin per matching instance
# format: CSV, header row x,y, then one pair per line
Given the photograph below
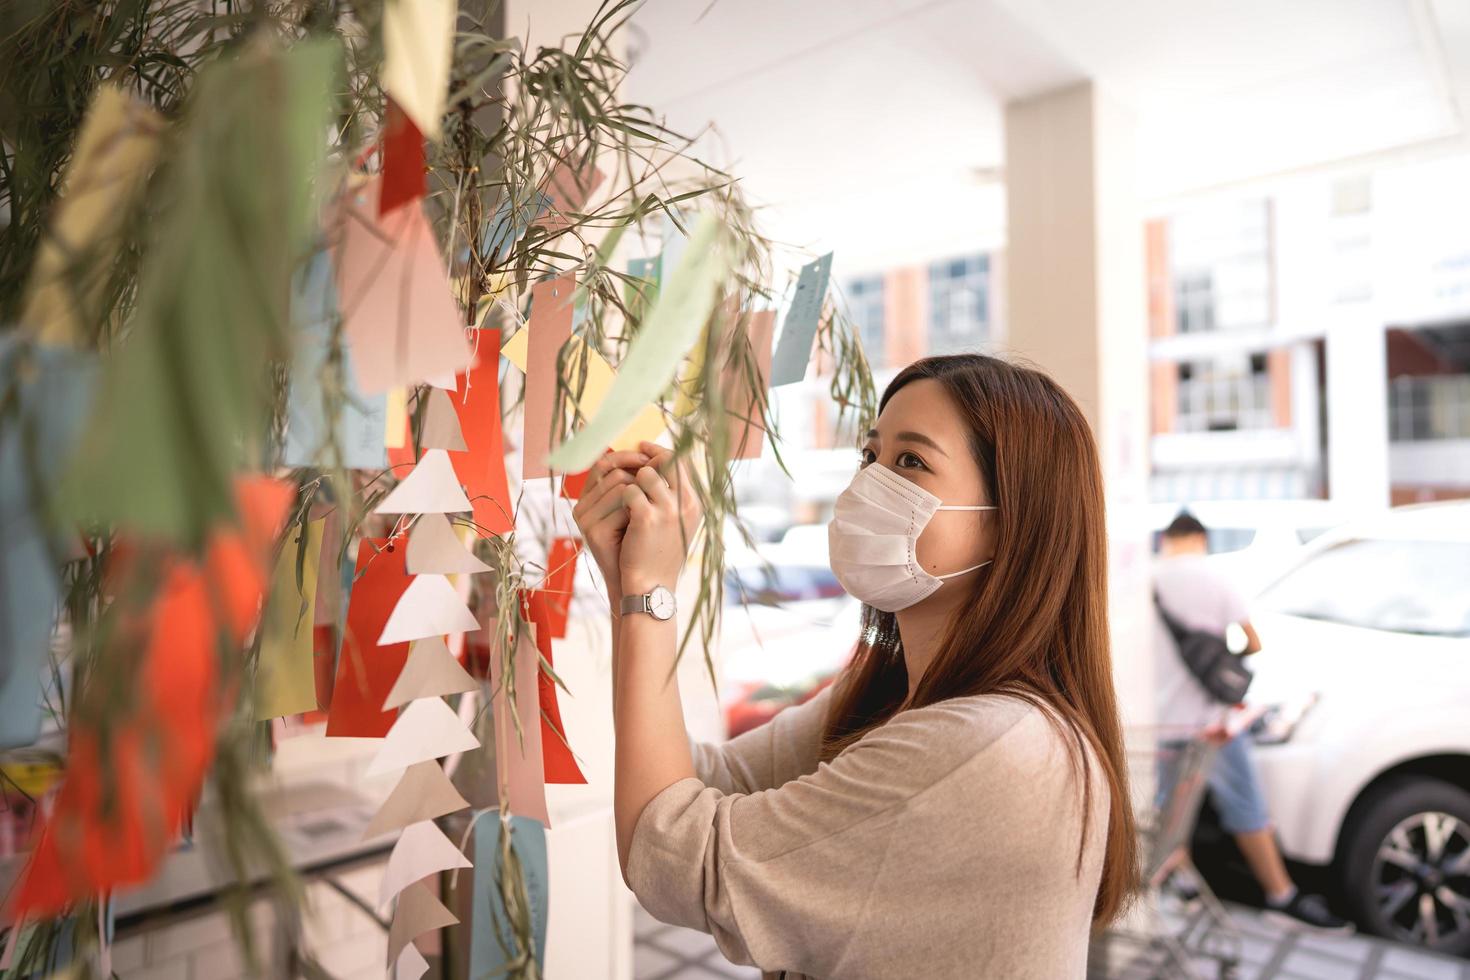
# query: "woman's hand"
x,y
602,517
662,516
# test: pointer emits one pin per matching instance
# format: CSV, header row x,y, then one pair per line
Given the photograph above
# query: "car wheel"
x,y
1406,863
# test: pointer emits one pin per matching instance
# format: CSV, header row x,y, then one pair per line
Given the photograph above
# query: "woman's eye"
x,y
867,456
908,460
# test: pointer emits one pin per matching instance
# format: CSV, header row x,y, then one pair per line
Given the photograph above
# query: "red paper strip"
x,y
550,326
573,484
366,671
403,160
560,765
128,789
561,573
481,467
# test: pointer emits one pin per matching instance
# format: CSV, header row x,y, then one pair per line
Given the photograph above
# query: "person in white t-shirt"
x,y
1199,597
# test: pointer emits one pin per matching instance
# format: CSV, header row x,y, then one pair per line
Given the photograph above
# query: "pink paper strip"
x,y
550,326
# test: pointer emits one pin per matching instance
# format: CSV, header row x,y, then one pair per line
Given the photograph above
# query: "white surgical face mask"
x,y
874,535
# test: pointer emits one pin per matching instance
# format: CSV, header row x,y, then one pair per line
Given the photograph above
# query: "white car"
x,y
1365,749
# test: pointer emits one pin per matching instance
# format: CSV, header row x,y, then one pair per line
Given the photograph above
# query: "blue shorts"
x,y
1235,788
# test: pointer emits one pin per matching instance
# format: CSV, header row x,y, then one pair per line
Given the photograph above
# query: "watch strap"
x,y
634,604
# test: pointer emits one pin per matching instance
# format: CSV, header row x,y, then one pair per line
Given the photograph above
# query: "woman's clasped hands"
x,y
637,514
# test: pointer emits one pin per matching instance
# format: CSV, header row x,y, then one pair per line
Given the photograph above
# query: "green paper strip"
x,y
670,329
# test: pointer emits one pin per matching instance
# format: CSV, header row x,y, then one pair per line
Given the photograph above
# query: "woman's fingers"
x,y
608,498
626,459
652,483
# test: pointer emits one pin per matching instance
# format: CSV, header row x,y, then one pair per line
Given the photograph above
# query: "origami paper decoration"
x,y
128,788
403,160
418,44
51,402
285,676
430,606
547,331
427,729
441,425
365,670
519,758
115,152
431,671
481,468
418,912
422,850
411,964
491,926
668,331
561,574
794,349
430,488
435,549
424,793
361,418
558,764
399,315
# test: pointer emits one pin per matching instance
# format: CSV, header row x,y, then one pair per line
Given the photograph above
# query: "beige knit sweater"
x,y
943,844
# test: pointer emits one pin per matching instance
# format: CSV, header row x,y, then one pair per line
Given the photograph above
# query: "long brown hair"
x,y
1037,625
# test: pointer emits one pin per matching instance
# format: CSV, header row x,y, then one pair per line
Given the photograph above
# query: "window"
x,y
1221,263
777,584
865,306
1420,587
1434,407
1224,394
959,303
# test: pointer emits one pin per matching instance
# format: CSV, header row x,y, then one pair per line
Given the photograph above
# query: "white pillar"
x,y
1076,296
1357,408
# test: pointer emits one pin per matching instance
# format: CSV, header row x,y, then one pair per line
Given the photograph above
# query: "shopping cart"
x,y
1171,936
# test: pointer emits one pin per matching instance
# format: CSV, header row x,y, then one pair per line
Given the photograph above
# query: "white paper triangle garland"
x,y
418,912
431,488
430,606
422,850
427,729
411,964
424,792
434,549
441,422
430,671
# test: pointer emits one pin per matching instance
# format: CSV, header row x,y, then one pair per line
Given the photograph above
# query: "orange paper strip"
x,y
481,468
560,765
366,671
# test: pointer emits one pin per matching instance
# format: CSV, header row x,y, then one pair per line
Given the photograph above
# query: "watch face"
x,y
661,603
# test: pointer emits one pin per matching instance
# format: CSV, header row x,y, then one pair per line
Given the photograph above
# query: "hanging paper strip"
x,y
285,677
481,468
561,575
490,925
366,671
547,331
794,350
403,160
518,754
742,402
128,789
398,313
559,766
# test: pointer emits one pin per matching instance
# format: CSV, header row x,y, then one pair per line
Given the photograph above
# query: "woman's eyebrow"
x,y
922,439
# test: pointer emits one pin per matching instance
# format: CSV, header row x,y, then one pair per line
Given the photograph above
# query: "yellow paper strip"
x,y
115,152
285,677
395,427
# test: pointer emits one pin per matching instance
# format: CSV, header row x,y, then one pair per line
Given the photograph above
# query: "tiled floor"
x,y
663,952
1267,952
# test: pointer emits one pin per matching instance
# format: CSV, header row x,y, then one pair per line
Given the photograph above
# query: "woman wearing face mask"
x,y
955,804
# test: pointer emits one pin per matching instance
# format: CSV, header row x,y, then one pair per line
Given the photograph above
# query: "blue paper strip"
x,y
488,918
363,421
50,391
794,348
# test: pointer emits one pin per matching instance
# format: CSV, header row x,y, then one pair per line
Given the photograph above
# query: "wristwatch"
x,y
658,603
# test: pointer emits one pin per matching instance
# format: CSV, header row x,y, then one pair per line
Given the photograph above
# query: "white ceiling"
x,y
875,127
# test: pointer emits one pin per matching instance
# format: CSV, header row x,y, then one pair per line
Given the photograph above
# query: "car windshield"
x,y
780,583
1402,586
